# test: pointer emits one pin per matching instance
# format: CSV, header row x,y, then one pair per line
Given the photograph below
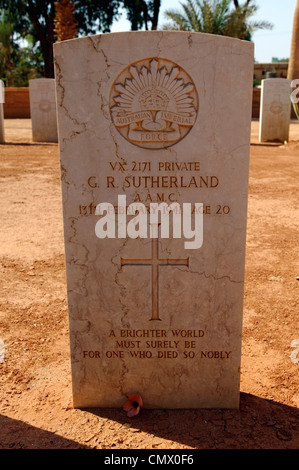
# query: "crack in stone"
x,y
207,276
122,288
83,261
59,78
103,103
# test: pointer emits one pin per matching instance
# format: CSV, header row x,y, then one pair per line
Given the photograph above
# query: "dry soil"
x,y
35,395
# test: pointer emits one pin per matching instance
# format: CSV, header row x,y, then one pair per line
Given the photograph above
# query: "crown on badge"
x,y
153,100
153,88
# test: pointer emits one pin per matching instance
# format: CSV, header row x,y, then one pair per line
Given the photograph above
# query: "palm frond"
x,y
216,17
178,21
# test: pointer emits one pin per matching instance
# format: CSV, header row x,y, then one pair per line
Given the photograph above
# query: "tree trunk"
x,y
293,69
157,5
48,61
64,22
45,35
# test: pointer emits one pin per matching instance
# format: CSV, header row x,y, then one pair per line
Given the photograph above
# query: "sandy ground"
x,y
35,393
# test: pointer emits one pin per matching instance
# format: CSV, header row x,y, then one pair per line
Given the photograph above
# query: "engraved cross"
x,y
155,262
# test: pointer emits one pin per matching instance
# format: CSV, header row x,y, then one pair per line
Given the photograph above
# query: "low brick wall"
x,y
256,98
17,103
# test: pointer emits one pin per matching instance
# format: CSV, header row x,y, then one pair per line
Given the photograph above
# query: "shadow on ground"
x,y
16,434
258,424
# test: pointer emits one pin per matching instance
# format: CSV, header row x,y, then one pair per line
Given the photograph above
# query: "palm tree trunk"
x,y
157,6
293,70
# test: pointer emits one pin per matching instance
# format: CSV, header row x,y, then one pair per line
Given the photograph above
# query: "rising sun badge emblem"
x,y
153,103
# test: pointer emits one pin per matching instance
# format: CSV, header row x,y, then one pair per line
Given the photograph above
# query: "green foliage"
x,y
276,60
18,63
142,13
215,17
35,18
256,83
6,49
93,16
28,64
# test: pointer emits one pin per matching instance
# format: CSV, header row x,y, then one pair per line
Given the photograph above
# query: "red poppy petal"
x,y
136,398
133,412
128,406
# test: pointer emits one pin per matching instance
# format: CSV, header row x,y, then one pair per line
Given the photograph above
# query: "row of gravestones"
x,y
42,110
155,310
275,110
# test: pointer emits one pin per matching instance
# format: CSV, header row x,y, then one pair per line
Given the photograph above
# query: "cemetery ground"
x,y
35,394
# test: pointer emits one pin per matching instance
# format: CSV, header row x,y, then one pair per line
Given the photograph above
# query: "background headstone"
x,y
275,110
2,135
43,110
155,116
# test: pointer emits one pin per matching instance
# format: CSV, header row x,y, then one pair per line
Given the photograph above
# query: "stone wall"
x,y
17,103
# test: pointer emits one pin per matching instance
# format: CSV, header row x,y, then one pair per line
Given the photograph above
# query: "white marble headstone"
x,y
145,118
275,110
43,110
